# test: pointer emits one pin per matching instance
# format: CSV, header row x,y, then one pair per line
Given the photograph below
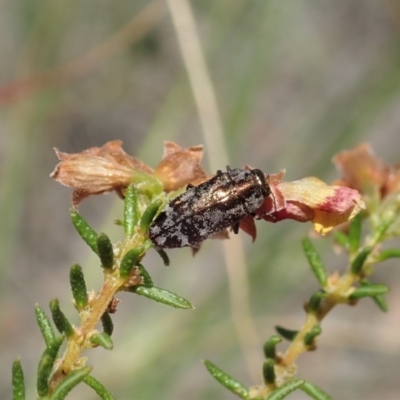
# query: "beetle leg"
x,y
235,228
189,186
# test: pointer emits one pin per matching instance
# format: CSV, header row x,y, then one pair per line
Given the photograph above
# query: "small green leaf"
x,y
387,254
107,323
283,391
314,391
98,387
162,296
60,320
105,251
147,281
269,371
287,334
149,214
379,299
315,300
102,339
358,262
355,233
86,232
44,325
226,380
341,239
18,381
381,302
131,211
315,261
45,366
164,256
309,338
78,286
69,382
129,261
368,290
270,346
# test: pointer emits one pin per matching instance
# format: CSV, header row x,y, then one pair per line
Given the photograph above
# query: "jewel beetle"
x,y
204,210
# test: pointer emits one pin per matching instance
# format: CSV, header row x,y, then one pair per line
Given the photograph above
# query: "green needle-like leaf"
x,y
70,381
85,231
18,381
162,296
315,262
315,300
164,256
105,250
287,334
106,321
78,286
355,233
98,387
131,211
387,254
129,261
102,339
226,380
379,299
370,290
358,262
149,214
147,281
60,320
270,346
342,239
269,371
45,366
44,325
314,391
309,338
283,391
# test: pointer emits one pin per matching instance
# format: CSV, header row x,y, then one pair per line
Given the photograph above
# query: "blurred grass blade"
x,y
149,214
105,250
283,391
314,391
98,387
131,210
102,339
369,290
60,320
287,334
18,381
44,325
70,381
387,254
226,380
270,346
358,262
106,321
355,233
163,296
269,371
315,261
78,286
85,231
45,366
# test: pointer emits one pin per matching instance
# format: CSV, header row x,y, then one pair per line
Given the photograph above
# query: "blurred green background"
x,y
294,81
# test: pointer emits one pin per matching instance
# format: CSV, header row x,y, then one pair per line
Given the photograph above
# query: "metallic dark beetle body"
x,y
204,210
